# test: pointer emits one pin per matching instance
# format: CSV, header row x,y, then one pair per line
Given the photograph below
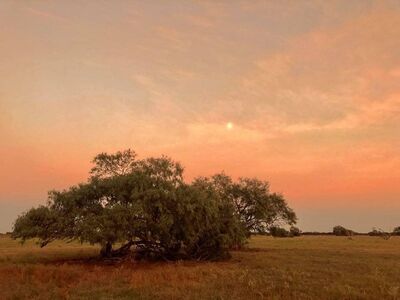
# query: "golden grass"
x,y
315,267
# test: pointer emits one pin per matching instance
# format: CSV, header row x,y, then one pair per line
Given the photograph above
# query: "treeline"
x,y
277,231
145,208
342,231
336,231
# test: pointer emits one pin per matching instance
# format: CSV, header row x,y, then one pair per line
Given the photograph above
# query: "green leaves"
x,y
38,222
257,209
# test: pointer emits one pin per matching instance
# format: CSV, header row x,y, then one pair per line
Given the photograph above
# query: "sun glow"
x,y
229,125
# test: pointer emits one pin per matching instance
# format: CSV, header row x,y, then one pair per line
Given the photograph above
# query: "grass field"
x,y
309,267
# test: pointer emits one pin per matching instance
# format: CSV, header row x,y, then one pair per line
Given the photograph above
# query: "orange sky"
x,y
312,89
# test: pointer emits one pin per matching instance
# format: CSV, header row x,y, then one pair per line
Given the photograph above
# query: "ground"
x,y
308,267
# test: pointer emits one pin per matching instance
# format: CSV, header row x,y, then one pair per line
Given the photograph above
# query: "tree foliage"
x,y
381,233
295,231
342,231
145,207
119,163
396,230
277,231
257,209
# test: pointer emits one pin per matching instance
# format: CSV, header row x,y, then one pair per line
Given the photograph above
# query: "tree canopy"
x,y
396,230
342,231
146,208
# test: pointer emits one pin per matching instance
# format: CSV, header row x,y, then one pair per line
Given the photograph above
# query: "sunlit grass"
x,y
317,267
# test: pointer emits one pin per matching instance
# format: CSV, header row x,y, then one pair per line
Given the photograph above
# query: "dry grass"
x,y
302,268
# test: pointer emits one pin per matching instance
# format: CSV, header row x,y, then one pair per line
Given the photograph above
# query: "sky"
x,y
303,94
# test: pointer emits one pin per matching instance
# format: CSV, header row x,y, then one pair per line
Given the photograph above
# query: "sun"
x,y
229,125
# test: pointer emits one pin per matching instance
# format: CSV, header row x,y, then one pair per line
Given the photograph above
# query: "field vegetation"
x,y
306,267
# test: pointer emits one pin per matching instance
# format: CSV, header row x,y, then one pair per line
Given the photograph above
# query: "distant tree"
x,y
374,232
276,231
379,232
396,231
294,231
257,209
342,231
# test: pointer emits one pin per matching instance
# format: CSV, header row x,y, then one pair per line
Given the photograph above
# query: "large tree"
x,y
145,207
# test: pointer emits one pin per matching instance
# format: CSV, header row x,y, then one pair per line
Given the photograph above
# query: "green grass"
x,y
310,267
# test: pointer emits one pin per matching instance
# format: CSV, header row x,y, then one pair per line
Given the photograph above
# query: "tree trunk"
x,y
106,250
